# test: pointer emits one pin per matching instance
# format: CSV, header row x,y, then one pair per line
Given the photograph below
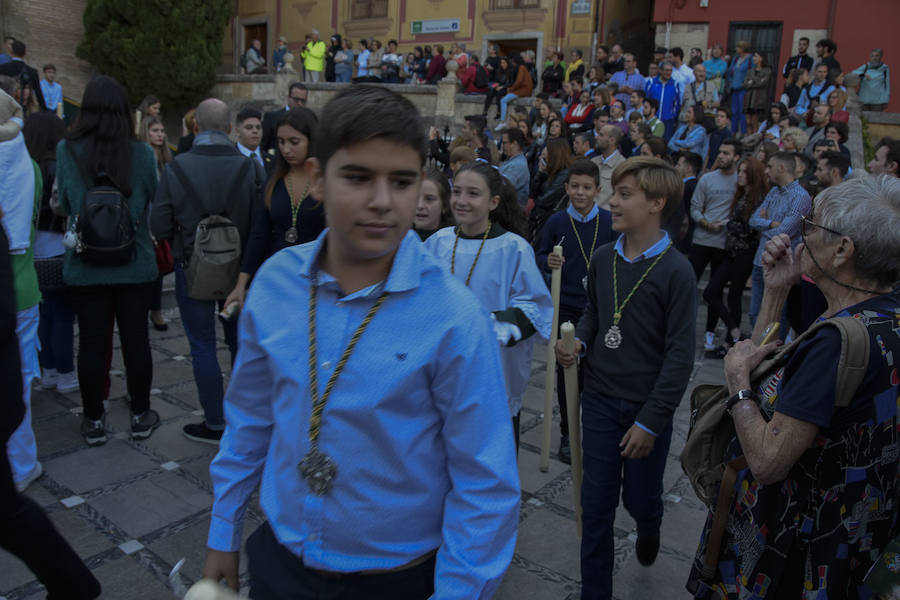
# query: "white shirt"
x,y
683,75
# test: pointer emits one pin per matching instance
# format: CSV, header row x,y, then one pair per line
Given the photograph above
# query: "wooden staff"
x,y
574,409
555,282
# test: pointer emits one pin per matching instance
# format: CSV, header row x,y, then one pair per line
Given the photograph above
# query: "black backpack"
x,y
481,77
105,229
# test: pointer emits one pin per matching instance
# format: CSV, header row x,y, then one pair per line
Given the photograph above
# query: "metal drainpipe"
x,y
831,10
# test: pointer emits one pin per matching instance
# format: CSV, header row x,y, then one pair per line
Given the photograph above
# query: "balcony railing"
x,y
514,4
369,9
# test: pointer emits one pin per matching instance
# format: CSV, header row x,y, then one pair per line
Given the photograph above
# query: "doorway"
x,y
765,38
257,31
508,47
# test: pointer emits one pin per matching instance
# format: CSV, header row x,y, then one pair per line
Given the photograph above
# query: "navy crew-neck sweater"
x,y
557,227
654,363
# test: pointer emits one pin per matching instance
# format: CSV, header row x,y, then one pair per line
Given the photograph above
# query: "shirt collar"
x,y
654,250
577,215
790,186
686,179
248,152
608,158
211,138
406,270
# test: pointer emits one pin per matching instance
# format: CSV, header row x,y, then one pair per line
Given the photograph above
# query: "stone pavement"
x,y
132,509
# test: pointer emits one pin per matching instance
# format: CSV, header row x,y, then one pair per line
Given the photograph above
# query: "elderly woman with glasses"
x,y
817,502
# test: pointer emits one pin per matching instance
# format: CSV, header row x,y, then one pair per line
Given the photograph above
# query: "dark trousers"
x,y
700,256
277,574
95,305
494,95
733,272
27,532
55,332
156,294
199,320
567,313
605,421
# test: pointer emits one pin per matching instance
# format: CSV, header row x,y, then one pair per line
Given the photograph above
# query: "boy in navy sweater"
x,y
580,229
636,337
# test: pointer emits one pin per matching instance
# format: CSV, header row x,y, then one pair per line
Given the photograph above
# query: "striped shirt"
x,y
784,205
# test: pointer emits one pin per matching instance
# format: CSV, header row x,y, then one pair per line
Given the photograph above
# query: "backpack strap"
x,y
720,517
854,362
178,170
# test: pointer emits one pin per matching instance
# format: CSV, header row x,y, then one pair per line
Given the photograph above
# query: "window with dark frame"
x,y
368,9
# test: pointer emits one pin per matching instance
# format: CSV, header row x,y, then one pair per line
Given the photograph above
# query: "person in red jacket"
x,y
437,70
469,76
521,88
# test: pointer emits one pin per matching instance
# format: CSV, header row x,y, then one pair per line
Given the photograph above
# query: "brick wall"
x,y
51,30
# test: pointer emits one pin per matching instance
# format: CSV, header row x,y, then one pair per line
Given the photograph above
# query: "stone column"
x,y
446,92
855,138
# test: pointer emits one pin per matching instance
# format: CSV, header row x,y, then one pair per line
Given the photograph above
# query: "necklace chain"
x,y
474,262
587,256
315,419
295,205
617,315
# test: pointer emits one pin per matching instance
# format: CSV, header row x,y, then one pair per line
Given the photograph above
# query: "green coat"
x,y
25,279
71,193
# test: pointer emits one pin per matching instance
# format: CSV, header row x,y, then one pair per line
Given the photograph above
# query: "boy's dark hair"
x,y
584,166
49,67
828,44
656,178
836,160
248,112
734,143
804,38
585,136
394,42
477,122
725,110
366,112
297,86
676,51
654,104
364,43
603,112
543,96
786,158
644,130
516,136
18,48
693,160
641,94
807,161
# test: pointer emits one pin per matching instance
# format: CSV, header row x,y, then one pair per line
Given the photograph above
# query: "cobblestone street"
x,y
132,509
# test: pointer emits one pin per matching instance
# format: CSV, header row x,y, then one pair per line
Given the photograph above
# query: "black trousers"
x,y
567,313
700,256
733,272
277,574
27,532
494,95
95,306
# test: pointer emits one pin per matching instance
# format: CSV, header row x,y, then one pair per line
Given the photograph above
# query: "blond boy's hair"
x,y
656,178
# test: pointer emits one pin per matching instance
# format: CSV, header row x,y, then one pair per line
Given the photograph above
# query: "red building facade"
x,y
856,26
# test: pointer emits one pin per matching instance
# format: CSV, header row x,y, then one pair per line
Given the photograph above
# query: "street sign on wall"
x,y
435,26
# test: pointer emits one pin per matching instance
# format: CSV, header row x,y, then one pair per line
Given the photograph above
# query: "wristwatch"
x,y
740,396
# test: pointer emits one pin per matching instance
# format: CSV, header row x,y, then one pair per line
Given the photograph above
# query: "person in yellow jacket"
x,y
314,57
575,70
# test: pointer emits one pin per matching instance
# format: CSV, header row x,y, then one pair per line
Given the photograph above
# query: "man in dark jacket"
x,y
213,178
298,94
24,74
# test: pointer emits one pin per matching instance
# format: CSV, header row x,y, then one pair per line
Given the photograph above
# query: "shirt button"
x,y
326,364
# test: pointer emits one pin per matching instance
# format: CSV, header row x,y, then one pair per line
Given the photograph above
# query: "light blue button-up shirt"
x,y
785,205
417,425
52,93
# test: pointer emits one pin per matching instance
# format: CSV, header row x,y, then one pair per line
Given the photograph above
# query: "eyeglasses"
x,y
805,224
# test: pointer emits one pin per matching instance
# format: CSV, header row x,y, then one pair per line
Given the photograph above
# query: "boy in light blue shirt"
x,y
367,399
53,96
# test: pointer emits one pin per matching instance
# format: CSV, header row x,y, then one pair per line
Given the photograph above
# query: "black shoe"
x,y
94,432
160,326
199,432
565,452
142,425
647,547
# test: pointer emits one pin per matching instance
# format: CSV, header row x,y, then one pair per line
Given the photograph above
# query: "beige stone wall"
x,y
684,36
51,30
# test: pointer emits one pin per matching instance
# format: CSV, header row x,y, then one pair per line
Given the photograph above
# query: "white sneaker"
x,y
500,126
48,379
67,382
710,342
38,470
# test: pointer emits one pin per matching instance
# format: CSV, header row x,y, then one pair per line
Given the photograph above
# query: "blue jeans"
x,y
504,103
738,120
199,320
671,126
55,332
759,286
22,445
605,420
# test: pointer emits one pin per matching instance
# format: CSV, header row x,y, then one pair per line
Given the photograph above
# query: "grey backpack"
x,y
215,262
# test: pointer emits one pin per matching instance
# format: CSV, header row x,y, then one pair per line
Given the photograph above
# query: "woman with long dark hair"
x,y
548,188
740,246
100,149
505,77
289,215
